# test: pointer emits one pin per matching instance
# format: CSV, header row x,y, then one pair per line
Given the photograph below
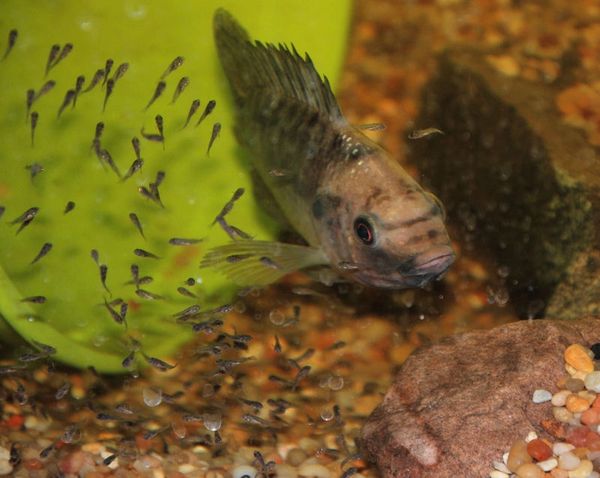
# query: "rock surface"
x,y
455,407
519,185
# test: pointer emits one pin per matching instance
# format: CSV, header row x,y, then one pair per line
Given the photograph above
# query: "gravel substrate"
x,y
285,384
574,451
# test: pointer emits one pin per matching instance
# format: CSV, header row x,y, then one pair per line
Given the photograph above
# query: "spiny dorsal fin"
x,y
271,70
258,263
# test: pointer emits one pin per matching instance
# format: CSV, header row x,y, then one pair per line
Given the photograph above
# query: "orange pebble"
x,y
596,403
591,416
577,404
539,450
577,357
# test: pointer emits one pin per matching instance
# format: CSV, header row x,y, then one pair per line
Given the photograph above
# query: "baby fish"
x,y
193,108
135,167
176,63
210,106
46,248
213,136
46,87
62,391
69,98
135,142
142,253
78,87
238,193
422,133
158,363
26,218
348,198
107,68
35,299
136,222
35,116
120,71
181,85
69,207
110,84
66,49
186,293
12,39
144,294
95,256
34,169
160,87
118,318
98,76
103,268
54,50
180,241
3,208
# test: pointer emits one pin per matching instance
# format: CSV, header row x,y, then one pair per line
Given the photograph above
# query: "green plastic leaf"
x,y
147,35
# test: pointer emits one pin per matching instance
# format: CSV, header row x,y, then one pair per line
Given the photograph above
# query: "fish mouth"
x,y
436,265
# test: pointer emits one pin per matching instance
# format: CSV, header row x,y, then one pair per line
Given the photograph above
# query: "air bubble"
x,y
327,414
179,430
152,396
276,317
212,421
335,383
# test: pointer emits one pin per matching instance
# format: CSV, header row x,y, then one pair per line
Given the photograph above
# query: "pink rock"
x,y
457,406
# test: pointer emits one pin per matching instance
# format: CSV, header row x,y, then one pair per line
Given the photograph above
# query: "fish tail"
x,y
231,40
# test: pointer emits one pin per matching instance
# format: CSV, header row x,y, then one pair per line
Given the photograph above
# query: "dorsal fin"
x,y
268,69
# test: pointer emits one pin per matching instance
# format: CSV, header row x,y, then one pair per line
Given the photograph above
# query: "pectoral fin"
x,y
258,263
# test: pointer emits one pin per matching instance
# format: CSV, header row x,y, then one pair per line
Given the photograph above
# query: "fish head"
x,y
379,227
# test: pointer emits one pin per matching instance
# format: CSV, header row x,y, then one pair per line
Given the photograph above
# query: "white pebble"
x,y
594,474
500,466
541,396
583,470
498,474
531,436
244,471
559,399
568,461
5,467
560,447
592,382
4,453
548,464
314,470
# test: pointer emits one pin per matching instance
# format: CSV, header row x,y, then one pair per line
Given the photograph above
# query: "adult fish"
x,y
360,213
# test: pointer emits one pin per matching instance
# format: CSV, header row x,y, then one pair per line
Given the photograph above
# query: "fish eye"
x,y
364,231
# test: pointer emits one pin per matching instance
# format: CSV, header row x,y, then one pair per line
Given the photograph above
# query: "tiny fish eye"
x,y
364,231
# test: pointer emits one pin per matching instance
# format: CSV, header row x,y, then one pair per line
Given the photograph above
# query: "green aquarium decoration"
x,y
79,214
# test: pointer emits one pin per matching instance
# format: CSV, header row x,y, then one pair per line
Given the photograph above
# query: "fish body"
x,y
359,211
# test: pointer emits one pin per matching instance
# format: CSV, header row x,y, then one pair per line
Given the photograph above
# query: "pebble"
x,y
244,471
568,461
560,398
314,470
296,456
286,471
539,450
576,404
548,464
518,455
561,447
592,382
541,396
530,470
574,384
562,414
5,467
498,474
577,356
583,470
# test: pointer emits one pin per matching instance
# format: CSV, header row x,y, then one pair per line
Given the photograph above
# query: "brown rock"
x,y
519,184
457,406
